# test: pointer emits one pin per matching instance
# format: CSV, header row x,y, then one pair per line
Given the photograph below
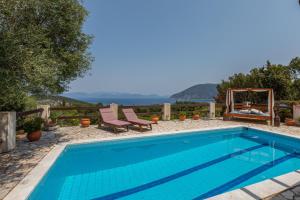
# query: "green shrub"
x,y
33,124
182,113
285,113
54,115
94,121
65,122
69,122
146,117
204,114
20,122
196,112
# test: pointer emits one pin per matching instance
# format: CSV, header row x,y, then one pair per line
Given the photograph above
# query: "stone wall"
x,y
7,131
296,112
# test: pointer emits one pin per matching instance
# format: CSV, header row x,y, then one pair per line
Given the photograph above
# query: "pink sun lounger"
x,y
132,118
109,119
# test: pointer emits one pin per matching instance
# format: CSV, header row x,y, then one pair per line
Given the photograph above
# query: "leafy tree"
x,y
42,48
283,79
295,67
296,90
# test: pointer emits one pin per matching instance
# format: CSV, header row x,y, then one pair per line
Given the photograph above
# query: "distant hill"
x,y
200,91
60,101
112,95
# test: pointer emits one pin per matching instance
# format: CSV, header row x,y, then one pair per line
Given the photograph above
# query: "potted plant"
x,y
290,122
51,125
20,129
154,119
182,116
33,129
85,122
196,115
20,133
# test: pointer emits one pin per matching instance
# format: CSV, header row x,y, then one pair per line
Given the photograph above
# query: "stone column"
x,y
166,112
212,110
46,112
7,131
114,108
296,112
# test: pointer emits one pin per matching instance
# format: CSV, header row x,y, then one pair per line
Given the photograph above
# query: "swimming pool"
x,y
193,165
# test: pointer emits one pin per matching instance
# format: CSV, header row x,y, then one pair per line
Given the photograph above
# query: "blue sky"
x,y
164,46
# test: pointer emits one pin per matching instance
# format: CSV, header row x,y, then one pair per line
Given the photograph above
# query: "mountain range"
x,y
111,95
200,91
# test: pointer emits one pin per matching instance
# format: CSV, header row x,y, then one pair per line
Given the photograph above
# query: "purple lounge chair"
x,y
132,118
109,119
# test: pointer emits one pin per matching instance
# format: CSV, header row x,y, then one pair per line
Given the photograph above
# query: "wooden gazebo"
x,y
250,111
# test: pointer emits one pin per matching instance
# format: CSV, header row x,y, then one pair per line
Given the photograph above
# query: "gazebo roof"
x,y
250,89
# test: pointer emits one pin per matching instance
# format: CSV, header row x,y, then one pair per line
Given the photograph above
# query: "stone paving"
x,y
291,194
16,164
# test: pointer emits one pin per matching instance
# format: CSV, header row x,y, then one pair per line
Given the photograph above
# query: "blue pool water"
x,y
194,165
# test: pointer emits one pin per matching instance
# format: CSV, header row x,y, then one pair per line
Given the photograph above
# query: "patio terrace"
x,y
16,164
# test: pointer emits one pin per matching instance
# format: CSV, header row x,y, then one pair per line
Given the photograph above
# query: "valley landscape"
x,y
159,99
196,93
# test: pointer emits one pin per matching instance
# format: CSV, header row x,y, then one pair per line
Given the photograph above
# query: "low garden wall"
x,y
71,115
68,116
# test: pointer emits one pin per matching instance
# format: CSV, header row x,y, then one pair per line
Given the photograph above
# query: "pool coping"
x,y
266,188
258,190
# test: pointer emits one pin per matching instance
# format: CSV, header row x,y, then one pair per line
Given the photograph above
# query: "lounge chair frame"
x,y
110,123
135,120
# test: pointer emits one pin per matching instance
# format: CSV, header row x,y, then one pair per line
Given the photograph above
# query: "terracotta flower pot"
x,y
20,132
85,122
182,117
51,123
196,117
290,122
155,119
34,136
51,126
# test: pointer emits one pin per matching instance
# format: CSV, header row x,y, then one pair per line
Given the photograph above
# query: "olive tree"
x,y
283,79
42,48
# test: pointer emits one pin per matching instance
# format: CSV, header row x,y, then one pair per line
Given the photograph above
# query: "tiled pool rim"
x,y
258,190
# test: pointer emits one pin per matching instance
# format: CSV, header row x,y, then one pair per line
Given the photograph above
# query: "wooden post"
x,y
296,112
212,110
7,131
271,109
46,112
166,112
